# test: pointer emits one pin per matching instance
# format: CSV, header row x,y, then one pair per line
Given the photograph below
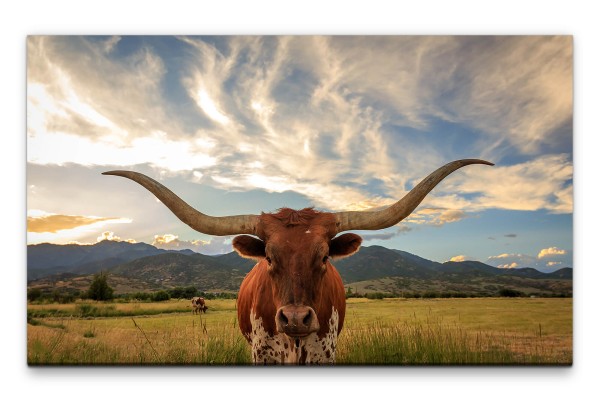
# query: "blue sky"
x,y
244,124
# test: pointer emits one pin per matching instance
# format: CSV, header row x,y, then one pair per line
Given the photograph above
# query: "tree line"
x,y
100,290
502,292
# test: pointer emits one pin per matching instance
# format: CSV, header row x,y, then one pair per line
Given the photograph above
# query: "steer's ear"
x,y
249,247
344,245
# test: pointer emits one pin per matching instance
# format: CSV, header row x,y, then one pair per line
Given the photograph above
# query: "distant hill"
x,y
565,273
376,261
236,261
143,267
45,259
172,270
467,269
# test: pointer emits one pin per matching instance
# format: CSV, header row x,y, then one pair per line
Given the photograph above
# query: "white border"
x,y
299,17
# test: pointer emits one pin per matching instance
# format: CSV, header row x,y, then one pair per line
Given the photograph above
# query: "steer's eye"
x,y
269,264
324,264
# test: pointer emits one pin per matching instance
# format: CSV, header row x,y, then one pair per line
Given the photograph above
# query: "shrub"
x,y
142,296
177,292
189,292
507,292
86,310
99,289
160,296
33,294
376,295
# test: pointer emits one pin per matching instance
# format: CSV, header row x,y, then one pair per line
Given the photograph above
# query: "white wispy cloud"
x,y
75,74
512,260
210,107
543,183
111,236
512,265
156,149
435,216
550,252
547,259
110,43
386,235
75,114
214,246
313,115
517,88
290,162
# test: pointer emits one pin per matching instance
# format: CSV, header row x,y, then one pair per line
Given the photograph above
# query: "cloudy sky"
x,y
244,124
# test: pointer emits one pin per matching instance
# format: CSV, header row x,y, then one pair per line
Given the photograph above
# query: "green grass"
x,y
432,343
102,309
376,332
152,334
457,331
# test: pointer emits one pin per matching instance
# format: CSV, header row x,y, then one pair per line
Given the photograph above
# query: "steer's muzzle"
x,y
296,320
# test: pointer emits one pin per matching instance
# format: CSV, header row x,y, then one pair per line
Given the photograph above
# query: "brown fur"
x,y
291,217
198,305
296,242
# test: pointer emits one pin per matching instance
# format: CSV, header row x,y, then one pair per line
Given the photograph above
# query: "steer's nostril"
x,y
307,318
283,318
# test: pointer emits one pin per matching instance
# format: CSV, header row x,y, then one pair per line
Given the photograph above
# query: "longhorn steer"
x,y
291,306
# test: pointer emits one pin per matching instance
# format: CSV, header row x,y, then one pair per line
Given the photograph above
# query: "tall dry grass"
x,y
162,340
434,343
397,332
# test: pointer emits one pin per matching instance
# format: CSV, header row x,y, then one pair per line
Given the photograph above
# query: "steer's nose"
x,y
296,320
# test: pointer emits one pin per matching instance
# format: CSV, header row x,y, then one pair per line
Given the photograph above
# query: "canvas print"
x,y
299,200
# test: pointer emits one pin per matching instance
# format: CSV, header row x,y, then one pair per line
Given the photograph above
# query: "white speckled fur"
x,y
280,349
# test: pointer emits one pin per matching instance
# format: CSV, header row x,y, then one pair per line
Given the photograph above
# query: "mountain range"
x,y
140,266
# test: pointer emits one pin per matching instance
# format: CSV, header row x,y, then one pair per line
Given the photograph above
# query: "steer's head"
x,y
295,247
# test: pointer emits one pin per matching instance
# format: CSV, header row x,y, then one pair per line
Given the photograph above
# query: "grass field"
x,y
376,332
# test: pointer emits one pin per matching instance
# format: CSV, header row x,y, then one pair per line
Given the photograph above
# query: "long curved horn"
x,y
397,212
227,225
